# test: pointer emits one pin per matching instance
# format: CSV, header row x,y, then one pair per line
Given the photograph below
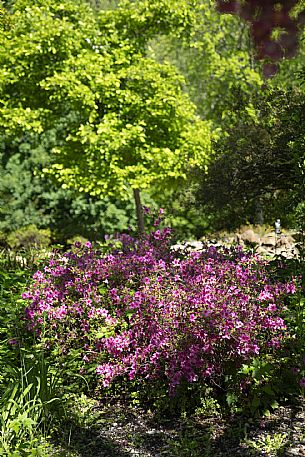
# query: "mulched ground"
x,y
122,431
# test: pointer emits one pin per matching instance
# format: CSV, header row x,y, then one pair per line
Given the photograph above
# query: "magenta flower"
x,y
145,311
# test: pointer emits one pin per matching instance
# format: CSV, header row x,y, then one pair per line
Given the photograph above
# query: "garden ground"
x,y
120,431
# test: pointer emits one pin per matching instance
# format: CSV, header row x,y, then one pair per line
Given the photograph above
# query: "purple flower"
x,y
146,311
192,317
157,234
302,382
13,342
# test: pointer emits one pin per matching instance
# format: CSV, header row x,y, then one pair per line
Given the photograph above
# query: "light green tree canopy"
x,y
123,119
4,17
217,61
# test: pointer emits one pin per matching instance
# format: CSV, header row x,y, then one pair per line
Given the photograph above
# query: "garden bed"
x,y
118,430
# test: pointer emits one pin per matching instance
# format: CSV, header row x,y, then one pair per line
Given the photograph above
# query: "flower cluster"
x,y
146,311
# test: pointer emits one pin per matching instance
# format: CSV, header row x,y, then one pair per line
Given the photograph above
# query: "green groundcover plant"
x,y
145,313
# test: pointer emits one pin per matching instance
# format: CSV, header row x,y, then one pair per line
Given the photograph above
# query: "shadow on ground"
x,y
121,431
75,441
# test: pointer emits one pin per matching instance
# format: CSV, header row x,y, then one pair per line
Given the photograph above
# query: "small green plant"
x,y
19,418
209,406
82,410
187,444
28,405
268,444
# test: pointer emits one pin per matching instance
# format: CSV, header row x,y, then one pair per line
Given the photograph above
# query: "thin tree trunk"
x,y
259,209
139,211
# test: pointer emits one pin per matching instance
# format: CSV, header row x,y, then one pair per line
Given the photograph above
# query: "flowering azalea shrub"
x,y
146,312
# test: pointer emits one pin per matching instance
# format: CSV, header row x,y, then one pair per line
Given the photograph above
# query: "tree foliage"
x,y
90,93
122,119
217,62
28,198
260,162
4,17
